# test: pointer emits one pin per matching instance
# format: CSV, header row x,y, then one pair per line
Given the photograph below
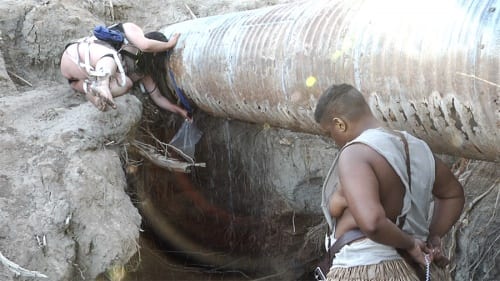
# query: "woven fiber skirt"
x,y
393,270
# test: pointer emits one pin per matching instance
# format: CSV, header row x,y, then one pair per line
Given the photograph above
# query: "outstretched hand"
x,y
175,38
187,116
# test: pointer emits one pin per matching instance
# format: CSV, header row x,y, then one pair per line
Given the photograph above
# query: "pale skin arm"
x,y
160,100
135,35
361,190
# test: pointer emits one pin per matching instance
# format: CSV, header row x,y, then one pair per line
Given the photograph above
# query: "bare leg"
x,y
71,71
78,86
82,86
106,66
100,90
116,89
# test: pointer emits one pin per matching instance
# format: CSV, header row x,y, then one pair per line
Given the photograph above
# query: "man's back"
x,y
383,154
377,193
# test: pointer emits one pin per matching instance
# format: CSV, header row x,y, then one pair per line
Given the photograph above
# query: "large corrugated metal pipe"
x,y
428,67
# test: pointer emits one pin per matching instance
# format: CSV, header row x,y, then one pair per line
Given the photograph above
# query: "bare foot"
x,y
96,101
93,96
103,92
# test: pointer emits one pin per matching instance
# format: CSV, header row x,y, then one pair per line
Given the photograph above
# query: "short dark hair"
x,y
341,100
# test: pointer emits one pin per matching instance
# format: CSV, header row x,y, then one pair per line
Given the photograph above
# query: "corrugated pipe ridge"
x,y
428,67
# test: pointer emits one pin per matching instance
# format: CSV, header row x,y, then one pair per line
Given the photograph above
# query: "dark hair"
x,y
156,35
342,101
151,63
155,65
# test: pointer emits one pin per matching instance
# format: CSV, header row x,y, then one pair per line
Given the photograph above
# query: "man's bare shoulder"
x,y
359,152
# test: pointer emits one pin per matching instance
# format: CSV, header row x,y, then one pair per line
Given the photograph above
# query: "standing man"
x,y
383,184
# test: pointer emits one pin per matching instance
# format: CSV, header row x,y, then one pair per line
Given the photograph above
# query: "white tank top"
x,y
417,203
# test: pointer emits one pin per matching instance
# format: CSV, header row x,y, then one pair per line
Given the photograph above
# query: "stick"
x,y
18,270
164,162
112,10
20,78
464,215
165,146
181,153
190,11
480,79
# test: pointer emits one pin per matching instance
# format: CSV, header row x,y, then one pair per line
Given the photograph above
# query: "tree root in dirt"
x,y
18,270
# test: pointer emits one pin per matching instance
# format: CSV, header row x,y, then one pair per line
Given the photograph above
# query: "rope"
x,y
427,268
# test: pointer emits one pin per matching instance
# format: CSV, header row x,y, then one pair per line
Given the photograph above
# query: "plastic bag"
x,y
186,138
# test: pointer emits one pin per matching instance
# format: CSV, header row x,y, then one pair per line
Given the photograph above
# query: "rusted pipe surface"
x,y
428,67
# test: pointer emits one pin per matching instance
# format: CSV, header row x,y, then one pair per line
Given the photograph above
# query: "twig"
x,y
493,257
112,10
494,208
20,78
480,79
479,262
465,214
190,11
162,144
165,146
181,153
149,153
18,270
477,199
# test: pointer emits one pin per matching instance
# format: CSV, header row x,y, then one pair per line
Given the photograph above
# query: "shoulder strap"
x,y
325,197
408,171
407,152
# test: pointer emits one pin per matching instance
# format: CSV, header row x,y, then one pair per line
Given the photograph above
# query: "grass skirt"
x,y
393,270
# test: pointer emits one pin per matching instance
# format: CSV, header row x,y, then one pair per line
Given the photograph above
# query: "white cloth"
x,y
364,252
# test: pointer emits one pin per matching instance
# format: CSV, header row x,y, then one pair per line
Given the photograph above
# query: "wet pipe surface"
x,y
436,77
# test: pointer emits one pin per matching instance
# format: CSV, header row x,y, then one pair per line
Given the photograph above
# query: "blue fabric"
x,y
180,94
103,33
